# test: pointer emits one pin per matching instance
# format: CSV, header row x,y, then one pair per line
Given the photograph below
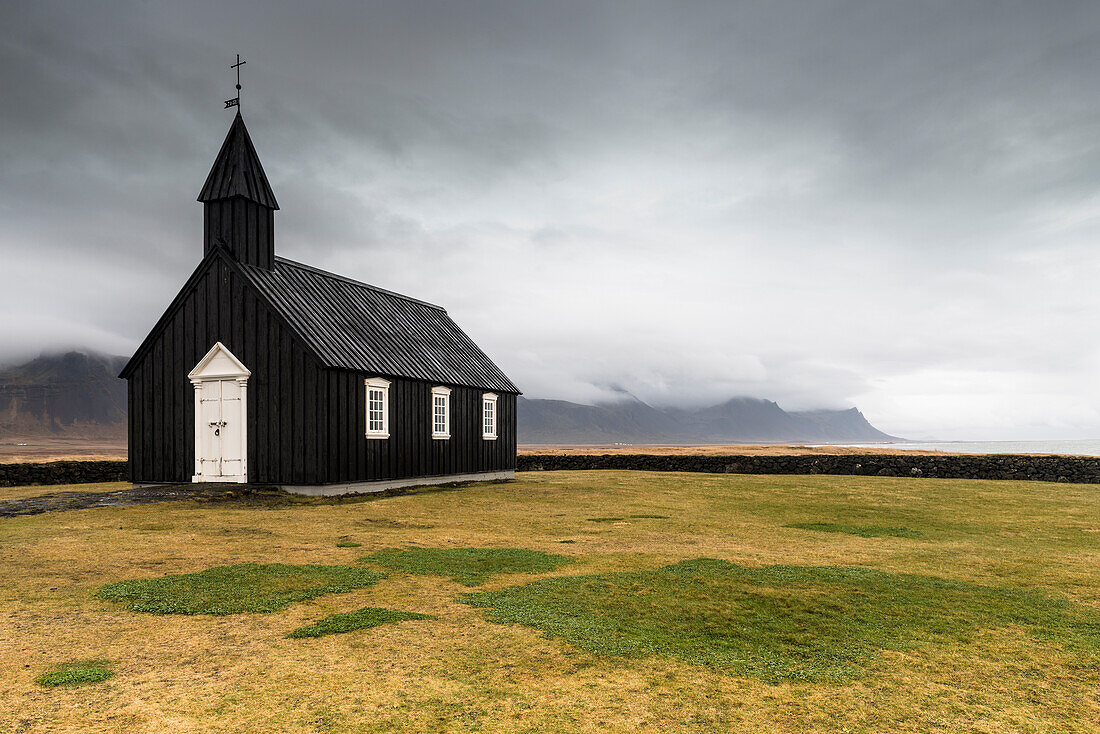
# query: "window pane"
x,y
439,413
376,410
488,410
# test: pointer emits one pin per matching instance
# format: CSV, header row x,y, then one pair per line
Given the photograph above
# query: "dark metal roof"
x,y
237,170
356,326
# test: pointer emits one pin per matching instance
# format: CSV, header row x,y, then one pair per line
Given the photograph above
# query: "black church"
x,y
264,370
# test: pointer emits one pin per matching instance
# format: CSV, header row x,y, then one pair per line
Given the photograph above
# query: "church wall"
x,y
410,451
306,424
282,435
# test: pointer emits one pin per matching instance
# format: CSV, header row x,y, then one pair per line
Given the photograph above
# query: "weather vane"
x,y
236,101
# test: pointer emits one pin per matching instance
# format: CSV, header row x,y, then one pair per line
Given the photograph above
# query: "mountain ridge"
x,y
737,420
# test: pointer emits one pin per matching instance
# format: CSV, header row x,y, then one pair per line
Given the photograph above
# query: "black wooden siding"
x,y
411,451
306,424
244,227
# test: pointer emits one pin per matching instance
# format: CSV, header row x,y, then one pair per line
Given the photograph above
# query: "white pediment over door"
x,y
218,362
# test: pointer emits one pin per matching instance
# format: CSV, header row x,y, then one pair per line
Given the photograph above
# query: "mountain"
x,y
76,394
740,420
558,421
844,425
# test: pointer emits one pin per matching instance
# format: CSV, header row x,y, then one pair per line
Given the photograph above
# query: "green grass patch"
x,y
467,566
606,519
348,544
245,587
649,517
778,623
359,619
863,531
76,673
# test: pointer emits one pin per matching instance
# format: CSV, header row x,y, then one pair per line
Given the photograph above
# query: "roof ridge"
x,y
352,281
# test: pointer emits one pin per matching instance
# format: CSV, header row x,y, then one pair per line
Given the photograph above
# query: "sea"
x,y
1082,447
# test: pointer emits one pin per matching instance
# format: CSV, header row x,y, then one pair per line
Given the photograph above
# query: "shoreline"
x,y
41,450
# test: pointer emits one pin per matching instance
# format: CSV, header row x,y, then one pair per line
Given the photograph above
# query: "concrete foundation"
x,y
333,490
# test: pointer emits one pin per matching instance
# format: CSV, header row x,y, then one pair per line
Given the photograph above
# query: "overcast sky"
x,y
882,204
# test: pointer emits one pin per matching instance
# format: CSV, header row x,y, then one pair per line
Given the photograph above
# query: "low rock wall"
x,y
989,466
1078,469
62,472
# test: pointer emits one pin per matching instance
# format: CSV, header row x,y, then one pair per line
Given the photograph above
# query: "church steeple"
x,y
238,204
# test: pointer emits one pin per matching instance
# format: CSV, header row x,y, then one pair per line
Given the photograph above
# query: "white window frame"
x,y
490,416
445,393
372,384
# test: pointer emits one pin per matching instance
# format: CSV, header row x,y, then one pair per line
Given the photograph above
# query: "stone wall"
x,y
62,472
1080,469
988,466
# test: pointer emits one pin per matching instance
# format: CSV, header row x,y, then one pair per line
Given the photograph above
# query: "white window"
x,y
489,416
378,408
441,412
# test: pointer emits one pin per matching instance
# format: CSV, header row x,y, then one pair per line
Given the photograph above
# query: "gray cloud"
x,y
889,205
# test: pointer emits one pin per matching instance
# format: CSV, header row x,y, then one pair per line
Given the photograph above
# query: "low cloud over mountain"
x,y
75,394
739,420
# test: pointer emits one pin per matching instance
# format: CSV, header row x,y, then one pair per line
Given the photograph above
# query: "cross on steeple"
x,y
236,101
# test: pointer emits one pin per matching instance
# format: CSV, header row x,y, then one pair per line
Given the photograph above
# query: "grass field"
x,y
909,605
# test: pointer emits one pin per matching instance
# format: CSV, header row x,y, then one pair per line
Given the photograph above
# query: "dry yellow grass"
x,y
726,450
460,673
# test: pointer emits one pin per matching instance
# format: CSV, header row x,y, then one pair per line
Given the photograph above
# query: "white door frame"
x,y
219,364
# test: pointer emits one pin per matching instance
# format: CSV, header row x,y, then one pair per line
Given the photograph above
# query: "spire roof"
x,y
237,170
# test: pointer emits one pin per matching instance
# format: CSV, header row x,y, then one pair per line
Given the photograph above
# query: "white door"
x,y
221,417
220,413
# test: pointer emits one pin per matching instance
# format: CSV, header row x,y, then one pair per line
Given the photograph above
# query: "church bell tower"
x,y
238,204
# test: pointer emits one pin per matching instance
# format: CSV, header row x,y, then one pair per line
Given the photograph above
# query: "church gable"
x,y
213,290
220,325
